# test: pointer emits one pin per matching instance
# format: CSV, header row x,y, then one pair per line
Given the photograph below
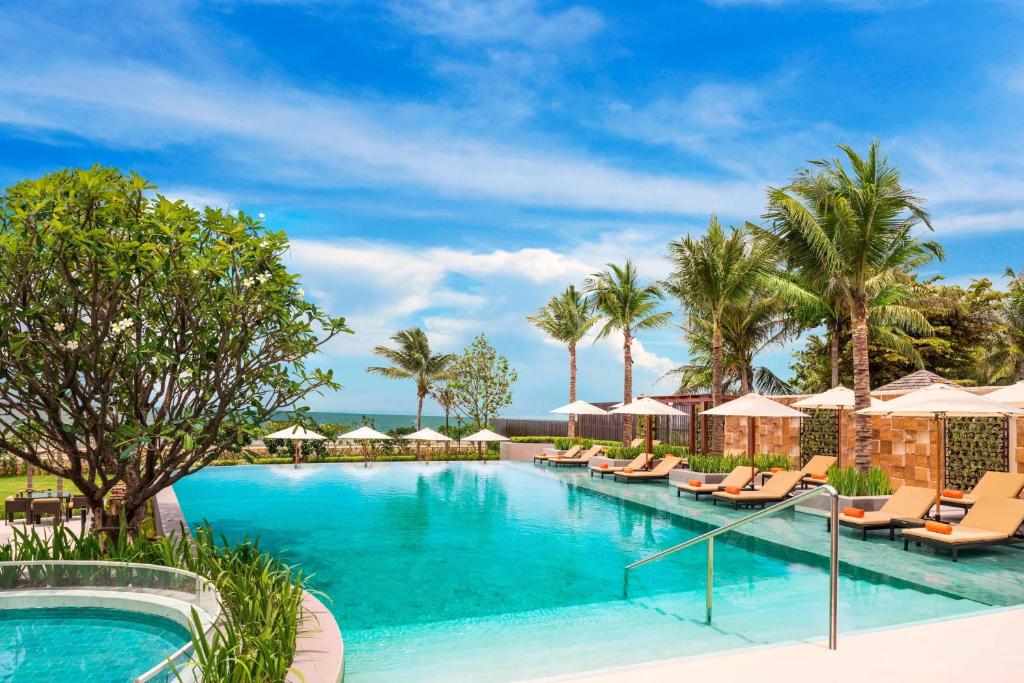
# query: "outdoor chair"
x,y
992,520
738,478
659,471
637,463
996,484
13,506
773,491
578,461
909,502
53,507
571,453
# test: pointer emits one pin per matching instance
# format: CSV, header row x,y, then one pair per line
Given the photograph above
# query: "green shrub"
x,y
727,463
849,481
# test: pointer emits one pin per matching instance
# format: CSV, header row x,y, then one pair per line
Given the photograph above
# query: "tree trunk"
x,y
746,379
627,386
717,422
861,384
447,431
419,420
571,431
834,344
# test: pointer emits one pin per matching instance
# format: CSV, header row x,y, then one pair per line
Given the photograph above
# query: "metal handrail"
x,y
833,588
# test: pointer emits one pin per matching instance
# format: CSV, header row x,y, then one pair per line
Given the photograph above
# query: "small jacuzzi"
x,y
84,644
100,622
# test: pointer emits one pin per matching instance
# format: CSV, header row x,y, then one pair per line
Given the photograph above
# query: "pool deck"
x,y
986,648
992,576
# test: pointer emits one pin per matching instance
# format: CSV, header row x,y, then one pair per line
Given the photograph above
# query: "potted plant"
x,y
867,491
712,469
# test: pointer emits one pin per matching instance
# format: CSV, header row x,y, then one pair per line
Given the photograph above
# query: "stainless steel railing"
x,y
833,585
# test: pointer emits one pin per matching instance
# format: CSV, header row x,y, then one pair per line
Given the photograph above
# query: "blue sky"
x,y
452,164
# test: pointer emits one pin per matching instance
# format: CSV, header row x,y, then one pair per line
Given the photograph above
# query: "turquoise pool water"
x,y
501,572
83,644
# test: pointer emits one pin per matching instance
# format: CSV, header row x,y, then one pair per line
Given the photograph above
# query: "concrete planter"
x,y
684,476
820,505
600,460
510,450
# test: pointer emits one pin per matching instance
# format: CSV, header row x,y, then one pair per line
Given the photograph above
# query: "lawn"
x,y
11,485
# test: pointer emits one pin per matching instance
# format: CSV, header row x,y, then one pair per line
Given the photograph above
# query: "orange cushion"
x,y
853,512
604,466
734,490
819,477
627,469
776,470
938,527
696,483
952,493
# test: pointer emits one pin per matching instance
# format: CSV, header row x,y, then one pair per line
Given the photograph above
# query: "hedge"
x,y
727,463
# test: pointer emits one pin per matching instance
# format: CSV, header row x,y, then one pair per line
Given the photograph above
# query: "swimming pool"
x,y
90,645
502,571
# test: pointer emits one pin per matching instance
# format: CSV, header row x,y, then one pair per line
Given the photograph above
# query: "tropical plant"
x,y
849,481
710,274
748,328
566,317
1006,359
482,382
140,338
412,358
727,463
626,306
852,233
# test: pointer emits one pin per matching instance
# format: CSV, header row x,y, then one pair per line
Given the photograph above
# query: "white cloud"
x,y
297,136
511,21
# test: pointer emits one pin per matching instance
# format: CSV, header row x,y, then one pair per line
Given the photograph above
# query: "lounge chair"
x,y
577,461
659,471
739,477
773,491
639,442
992,520
909,502
996,484
13,506
571,453
52,507
637,463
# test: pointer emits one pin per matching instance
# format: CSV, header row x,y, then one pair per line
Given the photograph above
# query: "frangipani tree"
x,y
139,337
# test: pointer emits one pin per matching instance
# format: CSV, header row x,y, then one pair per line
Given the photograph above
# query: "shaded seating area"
x,y
659,471
739,478
994,484
636,463
990,521
908,503
774,490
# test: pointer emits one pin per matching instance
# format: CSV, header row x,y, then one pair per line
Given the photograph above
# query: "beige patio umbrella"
x,y
750,406
365,435
297,434
579,408
649,407
940,401
839,399
426,434
483,436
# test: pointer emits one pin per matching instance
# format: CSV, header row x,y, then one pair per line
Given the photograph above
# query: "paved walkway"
x,y
971,649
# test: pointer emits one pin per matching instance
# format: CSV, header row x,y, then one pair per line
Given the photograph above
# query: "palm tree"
x,y
413,359
445,397
627,306
1006,360
748,328
709,274
567,317
853,230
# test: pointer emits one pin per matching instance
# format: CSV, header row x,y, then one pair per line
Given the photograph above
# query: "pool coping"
x,y
319,646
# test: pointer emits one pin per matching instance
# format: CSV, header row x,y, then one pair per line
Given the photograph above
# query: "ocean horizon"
x,y
381,421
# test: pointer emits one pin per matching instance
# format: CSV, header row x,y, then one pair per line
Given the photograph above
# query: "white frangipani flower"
x,y
71,344
59,327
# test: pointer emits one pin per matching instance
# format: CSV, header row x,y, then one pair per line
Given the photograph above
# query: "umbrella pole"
x,y
298,447
839,435
750,446
650,441
940,462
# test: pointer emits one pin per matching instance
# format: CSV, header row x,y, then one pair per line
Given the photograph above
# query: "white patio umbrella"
x,y
649,407
940,401
579,408
753,405
483,436
1012,395
839,399
364,434
297,434
426,434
